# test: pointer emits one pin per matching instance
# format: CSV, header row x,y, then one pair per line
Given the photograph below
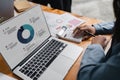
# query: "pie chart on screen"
x,y
25,34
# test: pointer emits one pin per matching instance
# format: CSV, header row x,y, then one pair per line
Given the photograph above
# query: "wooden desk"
x,y
72,74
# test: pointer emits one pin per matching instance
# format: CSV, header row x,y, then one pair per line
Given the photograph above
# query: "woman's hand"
x,y
100,40
81,31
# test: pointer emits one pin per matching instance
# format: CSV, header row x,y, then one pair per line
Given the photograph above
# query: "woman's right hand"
x,y
81,31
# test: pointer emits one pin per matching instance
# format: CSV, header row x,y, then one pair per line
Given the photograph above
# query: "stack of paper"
x,y
5,77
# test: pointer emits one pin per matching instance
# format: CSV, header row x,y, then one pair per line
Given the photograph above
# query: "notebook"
x,y
30,50
22,5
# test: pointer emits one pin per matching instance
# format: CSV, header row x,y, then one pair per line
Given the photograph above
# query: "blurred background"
x,y
99,9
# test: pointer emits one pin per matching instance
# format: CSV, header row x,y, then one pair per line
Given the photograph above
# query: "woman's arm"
x,y
104,28
93,67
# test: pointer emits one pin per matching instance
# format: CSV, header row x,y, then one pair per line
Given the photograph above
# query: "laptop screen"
x,y
20,35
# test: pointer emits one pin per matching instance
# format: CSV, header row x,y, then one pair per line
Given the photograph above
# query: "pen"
x,y
90,33
74,32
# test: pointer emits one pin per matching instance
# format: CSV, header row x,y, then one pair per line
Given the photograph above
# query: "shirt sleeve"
x,y
93,54
94,68
104,27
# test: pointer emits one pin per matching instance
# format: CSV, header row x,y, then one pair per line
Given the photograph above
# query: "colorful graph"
x,y
21,30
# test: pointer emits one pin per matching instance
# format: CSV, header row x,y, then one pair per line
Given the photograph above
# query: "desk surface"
x,y
72,74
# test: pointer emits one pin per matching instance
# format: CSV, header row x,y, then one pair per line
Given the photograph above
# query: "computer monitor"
x,y
6,9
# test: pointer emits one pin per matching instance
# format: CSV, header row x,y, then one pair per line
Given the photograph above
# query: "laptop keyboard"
x,y
39,63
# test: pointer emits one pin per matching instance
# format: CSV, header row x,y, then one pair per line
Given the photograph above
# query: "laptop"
x,y
6,9
31,52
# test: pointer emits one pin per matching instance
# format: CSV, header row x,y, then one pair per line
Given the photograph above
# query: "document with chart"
x,y
63,25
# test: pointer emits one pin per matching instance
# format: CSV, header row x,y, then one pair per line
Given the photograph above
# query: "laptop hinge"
x,y
32,53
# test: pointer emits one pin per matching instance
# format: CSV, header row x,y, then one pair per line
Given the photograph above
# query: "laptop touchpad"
x,y
61,65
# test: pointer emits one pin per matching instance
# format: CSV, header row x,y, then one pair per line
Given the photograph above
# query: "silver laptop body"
x,y
27,34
